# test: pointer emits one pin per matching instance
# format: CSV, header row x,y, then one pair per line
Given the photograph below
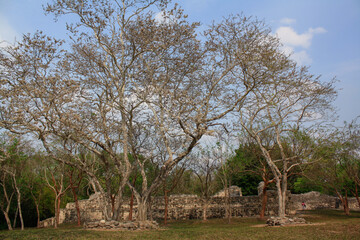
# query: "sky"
x,y
322,34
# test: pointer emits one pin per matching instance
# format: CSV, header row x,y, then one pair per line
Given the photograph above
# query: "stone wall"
x,y
190,206
316,200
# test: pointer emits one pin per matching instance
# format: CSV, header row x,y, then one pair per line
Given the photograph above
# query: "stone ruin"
x,y
182,207
277,221
124,225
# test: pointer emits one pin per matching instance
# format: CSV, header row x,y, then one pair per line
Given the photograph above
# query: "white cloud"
x,y
162,17
317,30
295,43
287,21
288,50
288,36
7,33
302,57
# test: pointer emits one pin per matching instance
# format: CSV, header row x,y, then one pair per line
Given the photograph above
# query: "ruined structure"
x,y
190,206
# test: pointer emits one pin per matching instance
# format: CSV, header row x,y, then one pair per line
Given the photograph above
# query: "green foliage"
x,y
304,185
336,161
247,182
188,184
245,168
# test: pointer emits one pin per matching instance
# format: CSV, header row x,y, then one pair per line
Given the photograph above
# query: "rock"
x,y
129,225
277,221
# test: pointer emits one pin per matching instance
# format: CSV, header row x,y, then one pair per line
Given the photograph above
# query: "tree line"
x,y
34,186
127,98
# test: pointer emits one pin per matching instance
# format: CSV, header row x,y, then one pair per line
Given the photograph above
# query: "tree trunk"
x,y
76,206
281,211
142,210
132,199
344,202
118,214
15,217
346,205
131,206
8,221
57,211
356,194
263,202
166,200
73,189
149,209
346,208
228,206
19,208
205,206
107,207
38,215
37,208
283,191
18,195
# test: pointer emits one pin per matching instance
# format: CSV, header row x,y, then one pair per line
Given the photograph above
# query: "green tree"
x,y
13,162
337,161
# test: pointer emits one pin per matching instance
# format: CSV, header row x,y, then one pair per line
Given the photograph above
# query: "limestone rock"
x,y
277,221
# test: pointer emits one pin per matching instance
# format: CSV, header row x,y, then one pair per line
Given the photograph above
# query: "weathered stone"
x,y
190,207
277,221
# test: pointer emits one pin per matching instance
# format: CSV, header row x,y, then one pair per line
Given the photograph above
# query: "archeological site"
x,y
167,119
185,207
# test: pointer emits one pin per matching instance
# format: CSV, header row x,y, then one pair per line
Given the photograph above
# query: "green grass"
x,y
326,224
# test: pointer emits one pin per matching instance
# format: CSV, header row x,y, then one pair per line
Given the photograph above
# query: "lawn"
x,y
325,224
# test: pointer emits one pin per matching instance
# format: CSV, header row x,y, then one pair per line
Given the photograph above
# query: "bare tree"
x,y
75,177
127,84
169,185
7,194
222,152
291,99
57,185
205,166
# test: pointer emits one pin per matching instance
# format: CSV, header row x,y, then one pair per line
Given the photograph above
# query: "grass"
x,y
326,224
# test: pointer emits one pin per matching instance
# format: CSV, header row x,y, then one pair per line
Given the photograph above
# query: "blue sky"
x,y
324,34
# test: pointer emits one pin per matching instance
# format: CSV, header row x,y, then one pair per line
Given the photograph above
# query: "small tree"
x,y
169,185
57,184
337,162
349,138
35,184
221,153
284,108
12,162
75,177
7,193
205,166
250,163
